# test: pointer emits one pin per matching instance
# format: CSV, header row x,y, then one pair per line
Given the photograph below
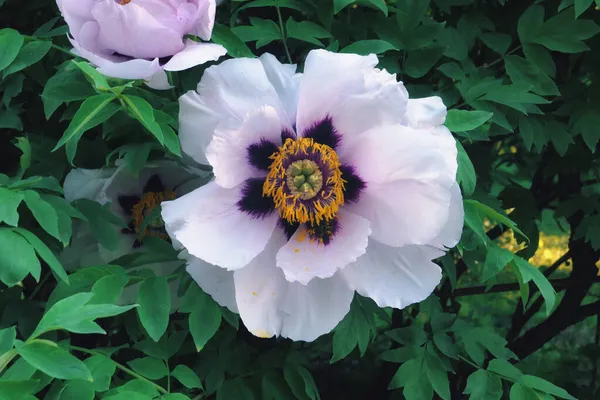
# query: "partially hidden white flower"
x,y
326,183
131,198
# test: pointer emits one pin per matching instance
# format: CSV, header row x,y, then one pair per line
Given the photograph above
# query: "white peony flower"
x,y
132,198
326,183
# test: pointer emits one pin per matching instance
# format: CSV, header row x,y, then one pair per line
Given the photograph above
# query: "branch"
x,y
558,284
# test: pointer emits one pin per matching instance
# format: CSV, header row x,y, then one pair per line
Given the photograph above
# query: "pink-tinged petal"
x,y
428,112
348,89
394,277
452,229
194,54
134,69
215,281
225,95
159,81
227,153
409,174
76,13
285,80
303,259
205,19
271,306
132,31
208,222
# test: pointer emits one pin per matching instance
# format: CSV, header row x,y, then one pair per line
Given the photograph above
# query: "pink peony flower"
x,y
140,39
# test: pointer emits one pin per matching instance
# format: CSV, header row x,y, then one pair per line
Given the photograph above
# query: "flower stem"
x,y
120,366
284,35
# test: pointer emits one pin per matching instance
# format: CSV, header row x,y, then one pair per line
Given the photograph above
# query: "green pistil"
x,y
304,178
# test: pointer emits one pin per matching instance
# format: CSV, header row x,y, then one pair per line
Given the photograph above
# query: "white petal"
x,y
285,80
303,259
225,95
215,281
452,230
347,88
87,183
210,225
394,277
227,153
271,306
409,174
159,81
194,54
133,69
427,112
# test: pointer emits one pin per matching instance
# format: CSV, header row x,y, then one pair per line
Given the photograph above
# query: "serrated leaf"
x,y
523,72
306,31
495,260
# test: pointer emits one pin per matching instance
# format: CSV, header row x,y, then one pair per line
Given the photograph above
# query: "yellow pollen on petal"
x,y
300,192
253,293
144,207
261,333
123,2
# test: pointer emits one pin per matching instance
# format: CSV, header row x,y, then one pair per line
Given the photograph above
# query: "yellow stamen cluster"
x,y
123,2
144,207
327,196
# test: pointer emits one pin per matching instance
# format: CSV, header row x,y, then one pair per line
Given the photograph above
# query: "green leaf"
x,y
437,375
234,389
581,6
481,385
53,360
514,96
102,222
75,315
306,31
339,5
444,343
25,159
7,338
504,368
9,203
420,61
476,340
499,42
92,112
45,254
523,72
542,385
559,135
66,86
565,34
495,260
463,121
151,368
43,212
263,31
530,23
141,110
356,329
154,299
78,389
413,378
187,377
366,47
204,319
301,382
128,395
222,35
274,387
492,214
531,273
102,369
18,390
520,392
10,44
95,77
14,269
29,54
465,176
108,289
